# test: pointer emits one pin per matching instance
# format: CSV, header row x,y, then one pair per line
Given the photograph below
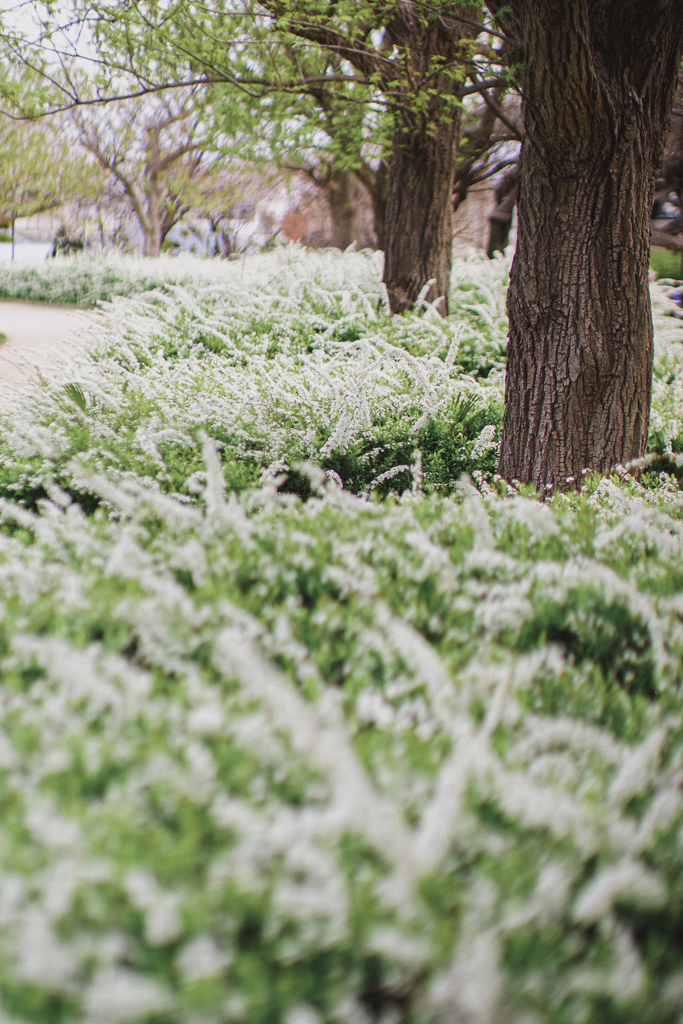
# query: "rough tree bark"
x,y
418,225
599,83
419,216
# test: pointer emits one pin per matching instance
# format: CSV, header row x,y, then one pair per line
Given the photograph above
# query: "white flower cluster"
x,y
94,277
332,762
667,392
195,812
285,356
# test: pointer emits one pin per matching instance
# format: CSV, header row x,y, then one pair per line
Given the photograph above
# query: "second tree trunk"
x,y
419,216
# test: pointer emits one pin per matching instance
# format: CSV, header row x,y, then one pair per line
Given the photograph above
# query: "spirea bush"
x,y
341,761
282,357
88,278
337,755
666,424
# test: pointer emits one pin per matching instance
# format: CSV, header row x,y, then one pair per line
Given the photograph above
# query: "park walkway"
x,y
39,337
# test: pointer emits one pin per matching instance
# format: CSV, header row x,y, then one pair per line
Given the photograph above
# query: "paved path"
x,y
39,336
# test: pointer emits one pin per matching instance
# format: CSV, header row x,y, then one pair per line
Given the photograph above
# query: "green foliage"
x,y
39,168
326,379
299,84
75,393
193,847
666,264
409,756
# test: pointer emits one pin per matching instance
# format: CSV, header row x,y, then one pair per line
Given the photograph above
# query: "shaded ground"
x,y
39,338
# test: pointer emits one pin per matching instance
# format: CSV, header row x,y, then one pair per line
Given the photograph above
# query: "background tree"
x,y
39,170
489,149
154,149
413,59
343,145
598,87
235,202
323,134
339,162
670,183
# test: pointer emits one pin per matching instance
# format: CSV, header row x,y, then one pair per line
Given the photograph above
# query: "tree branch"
x,y
164,164
500,114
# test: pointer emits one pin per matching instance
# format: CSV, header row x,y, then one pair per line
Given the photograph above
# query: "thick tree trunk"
x,y
419,215
418,224
598,92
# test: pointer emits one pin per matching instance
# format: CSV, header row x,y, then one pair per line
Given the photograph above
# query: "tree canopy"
x,y
378,74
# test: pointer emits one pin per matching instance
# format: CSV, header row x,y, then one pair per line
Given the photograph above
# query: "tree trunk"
x,y
599,83
153,215
419,215
501,219
341,208
418,69
499,235
671,175
666,241
379,193
670,235
376,182
152,245
418,219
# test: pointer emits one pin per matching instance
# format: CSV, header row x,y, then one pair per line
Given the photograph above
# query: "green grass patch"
x,y
667,264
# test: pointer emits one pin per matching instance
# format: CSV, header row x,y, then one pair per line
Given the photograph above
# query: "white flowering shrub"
x,y
88,278
666,424
281,357
339,760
